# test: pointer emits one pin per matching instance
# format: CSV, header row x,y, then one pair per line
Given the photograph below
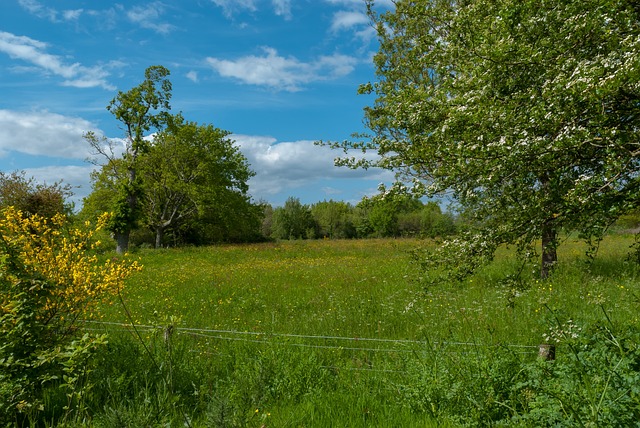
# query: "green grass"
x,y
315,287
342,333
369,289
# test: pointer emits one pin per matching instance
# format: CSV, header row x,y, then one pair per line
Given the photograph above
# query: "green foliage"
x,y
187,185
434,223
143,107
274,384
469,388
48,281
629,221
22,335
267,219
104,189
397,212
149,383
525,113
126,216
333,219
24,194
140,109
195,182
428,222
292,221
383,220
592,383
595,383
392,213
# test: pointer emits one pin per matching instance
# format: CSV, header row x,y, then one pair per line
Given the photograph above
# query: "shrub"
x,y
468,388
48,280
595,383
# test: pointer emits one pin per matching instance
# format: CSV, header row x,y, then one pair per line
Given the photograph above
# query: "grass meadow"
x,y
346,333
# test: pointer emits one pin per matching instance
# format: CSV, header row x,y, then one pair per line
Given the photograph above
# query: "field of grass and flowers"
x,y
345,333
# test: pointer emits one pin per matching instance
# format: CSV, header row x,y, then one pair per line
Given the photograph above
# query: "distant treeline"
x,y
372,217
380,216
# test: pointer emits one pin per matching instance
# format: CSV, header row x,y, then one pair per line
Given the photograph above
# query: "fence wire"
x,y
383,355
393,345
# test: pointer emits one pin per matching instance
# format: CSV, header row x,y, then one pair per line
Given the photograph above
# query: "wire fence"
x,y
317,342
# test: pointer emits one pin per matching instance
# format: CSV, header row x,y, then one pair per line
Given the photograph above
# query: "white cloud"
x,y
41,11
36,8
34,52
53,135
193,76
360,3
147,17
332,191
334,66
72,15
356,22
230,7
343,20
282,8
354,17
282,73
285,166
233,7
44,134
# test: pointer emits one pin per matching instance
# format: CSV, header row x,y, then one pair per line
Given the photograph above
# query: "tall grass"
x,y
325,287
343,333
370,289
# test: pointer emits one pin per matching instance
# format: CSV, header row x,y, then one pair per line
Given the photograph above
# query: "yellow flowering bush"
x,y
49,278
59,257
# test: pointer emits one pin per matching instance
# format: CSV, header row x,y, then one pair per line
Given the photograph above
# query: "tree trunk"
x,y
159,235
122,242
549,232
122,238
549,245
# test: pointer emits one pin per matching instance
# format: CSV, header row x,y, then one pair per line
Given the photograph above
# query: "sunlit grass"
x,y
340,287
368,288
304,333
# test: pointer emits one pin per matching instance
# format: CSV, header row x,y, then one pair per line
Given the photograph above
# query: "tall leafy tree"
x,y
332,218
527,112
384,209
267,219
292,221
427,220
104,192
141,109
193,184
194,173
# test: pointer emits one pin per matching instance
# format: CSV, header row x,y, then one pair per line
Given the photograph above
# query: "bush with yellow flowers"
x,y
50,277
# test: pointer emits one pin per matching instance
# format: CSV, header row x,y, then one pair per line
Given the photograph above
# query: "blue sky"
x,y
277,74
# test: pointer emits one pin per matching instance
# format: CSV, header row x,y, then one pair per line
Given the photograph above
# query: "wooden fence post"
x,y
547,352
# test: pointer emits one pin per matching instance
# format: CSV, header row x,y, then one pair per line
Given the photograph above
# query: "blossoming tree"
x,y
526,113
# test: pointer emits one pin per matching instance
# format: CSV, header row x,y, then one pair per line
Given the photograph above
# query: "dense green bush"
x,y
48,280
375,217
594,383
465,386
